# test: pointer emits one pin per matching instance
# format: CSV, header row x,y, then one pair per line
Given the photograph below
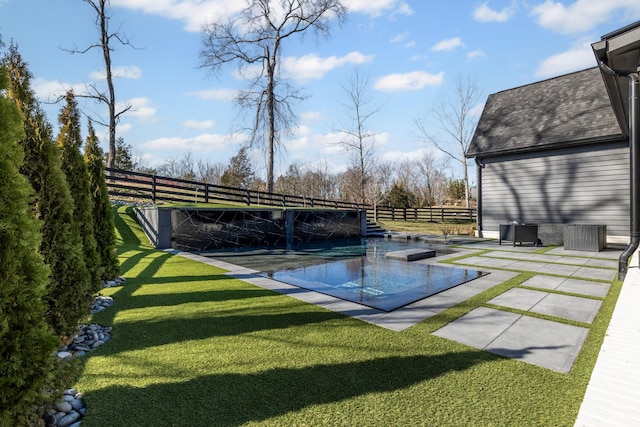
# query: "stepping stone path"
x,y
68,411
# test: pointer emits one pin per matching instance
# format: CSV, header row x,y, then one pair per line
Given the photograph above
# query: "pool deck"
x,y
568,288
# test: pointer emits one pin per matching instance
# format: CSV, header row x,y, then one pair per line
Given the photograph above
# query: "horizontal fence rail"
x,y
145,188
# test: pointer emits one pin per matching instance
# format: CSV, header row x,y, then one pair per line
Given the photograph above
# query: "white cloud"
x,y
141,109
312,66
475,54
398,38
123,128
217,94
376,8
194,13
51,90
398,156
578,57
484,13
414,80
447,44
195,124
582,15
403,38
476,111
203,143
312,116
124,72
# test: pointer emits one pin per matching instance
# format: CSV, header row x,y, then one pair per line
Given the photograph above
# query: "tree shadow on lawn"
x,y
123,216
235,399
208,323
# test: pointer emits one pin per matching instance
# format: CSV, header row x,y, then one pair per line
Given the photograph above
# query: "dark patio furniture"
x,y
585,237
519,233
551,234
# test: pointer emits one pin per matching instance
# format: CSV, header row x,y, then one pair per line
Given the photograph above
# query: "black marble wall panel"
x,y
206,229
311,226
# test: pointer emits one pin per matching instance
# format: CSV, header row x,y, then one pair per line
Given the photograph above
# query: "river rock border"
x,y
68,411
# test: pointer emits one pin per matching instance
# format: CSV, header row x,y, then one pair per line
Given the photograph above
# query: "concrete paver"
x,y
564,306
574,286
569,307
541,342
584,287
596,273
521,299
478,328
563,270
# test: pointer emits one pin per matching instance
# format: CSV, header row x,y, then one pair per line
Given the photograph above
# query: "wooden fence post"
x,y
153,189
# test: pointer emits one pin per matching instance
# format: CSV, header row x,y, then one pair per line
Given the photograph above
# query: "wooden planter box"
x,y
585,237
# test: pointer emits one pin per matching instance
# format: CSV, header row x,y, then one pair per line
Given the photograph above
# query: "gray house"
x,y
552,152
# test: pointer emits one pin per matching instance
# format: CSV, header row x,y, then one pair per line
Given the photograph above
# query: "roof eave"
x,y
556,146
619,50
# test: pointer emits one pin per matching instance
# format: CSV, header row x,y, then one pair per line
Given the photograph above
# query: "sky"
x,y
410,52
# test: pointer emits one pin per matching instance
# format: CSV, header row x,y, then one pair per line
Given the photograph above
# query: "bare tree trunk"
x,y
104,41
271,117
102,22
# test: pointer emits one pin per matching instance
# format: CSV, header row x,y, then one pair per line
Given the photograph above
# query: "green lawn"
x,y
435,228
191,347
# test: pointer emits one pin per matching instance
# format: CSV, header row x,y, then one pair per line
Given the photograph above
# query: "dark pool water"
x,y
355,271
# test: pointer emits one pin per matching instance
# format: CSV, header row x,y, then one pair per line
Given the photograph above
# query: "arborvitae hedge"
x,y
61,247
104,230
75,169
26,343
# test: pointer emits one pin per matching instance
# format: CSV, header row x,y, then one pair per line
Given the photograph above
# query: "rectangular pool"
x,y
355,271
379,283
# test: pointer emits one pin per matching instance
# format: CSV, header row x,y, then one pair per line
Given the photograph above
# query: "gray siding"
x,y
586,185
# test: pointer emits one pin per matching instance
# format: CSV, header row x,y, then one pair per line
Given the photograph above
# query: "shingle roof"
x,y
563,111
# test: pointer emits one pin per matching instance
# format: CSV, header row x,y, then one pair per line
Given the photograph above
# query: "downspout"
x,y
479,166
634,164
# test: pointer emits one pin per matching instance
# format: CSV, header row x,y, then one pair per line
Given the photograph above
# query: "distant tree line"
x,y
57,239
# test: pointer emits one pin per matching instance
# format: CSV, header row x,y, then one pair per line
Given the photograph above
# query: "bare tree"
x,y
210,173
349,185
319,183
379,185
254,38
358,140
105,44
431,177
454,117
